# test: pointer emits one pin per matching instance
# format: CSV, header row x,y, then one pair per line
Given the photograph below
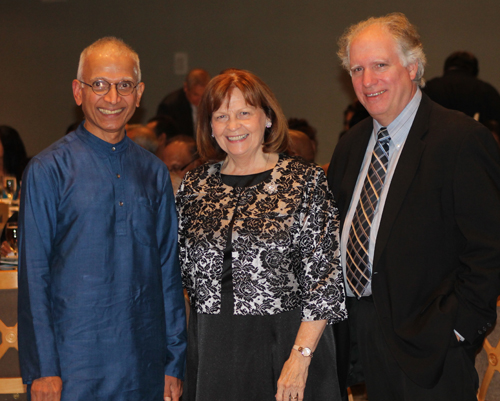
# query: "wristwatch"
x,y
303,350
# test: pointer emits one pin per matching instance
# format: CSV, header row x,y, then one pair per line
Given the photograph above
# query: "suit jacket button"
x,y
488,324
479,331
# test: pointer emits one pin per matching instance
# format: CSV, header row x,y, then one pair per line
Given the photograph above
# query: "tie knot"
x,y
383,138
383,134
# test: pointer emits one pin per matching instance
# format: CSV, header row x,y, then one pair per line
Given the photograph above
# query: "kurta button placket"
x,y
120,193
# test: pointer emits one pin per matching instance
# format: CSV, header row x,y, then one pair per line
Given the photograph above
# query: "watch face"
x,y
306,351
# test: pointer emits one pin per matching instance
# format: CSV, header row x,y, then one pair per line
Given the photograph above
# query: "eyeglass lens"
x,y
102,87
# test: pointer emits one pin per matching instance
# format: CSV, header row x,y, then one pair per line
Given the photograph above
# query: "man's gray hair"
x,y
117,46
404,33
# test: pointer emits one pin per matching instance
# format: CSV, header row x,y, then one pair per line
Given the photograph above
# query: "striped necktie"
x,y
358,266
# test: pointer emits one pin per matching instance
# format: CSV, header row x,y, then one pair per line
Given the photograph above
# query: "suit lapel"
x,y
403,176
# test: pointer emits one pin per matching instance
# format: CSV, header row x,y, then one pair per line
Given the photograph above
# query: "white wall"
x,y
290,44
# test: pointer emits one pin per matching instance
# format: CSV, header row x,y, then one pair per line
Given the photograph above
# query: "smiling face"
x,y
382,84
106,116
239,127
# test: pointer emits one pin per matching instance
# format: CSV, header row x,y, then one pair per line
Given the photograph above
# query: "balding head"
x,y
180,155
108,88
143,136
195,84
197,76
109,45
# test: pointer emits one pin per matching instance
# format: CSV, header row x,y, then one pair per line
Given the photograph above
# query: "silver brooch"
x,y
271,188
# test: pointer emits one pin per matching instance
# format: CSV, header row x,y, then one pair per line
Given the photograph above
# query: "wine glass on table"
x,y
10,187
11,234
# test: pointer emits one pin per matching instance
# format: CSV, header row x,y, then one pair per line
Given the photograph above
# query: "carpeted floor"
x,y
493,393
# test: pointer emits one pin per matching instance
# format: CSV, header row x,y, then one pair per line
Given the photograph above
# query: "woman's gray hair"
x,y
404,33
118,46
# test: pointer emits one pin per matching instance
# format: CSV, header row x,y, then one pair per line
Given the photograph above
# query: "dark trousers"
x,y
385,381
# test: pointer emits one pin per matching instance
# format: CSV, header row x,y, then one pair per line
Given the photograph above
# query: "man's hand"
x,y
173,388
46,389
5,249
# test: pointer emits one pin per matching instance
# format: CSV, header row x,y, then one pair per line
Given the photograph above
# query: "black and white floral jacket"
x,y
285,242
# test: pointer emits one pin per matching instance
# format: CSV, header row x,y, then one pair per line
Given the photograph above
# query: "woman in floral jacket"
x,y
259,249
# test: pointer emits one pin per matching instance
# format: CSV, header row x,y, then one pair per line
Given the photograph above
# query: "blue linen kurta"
x,y
100,295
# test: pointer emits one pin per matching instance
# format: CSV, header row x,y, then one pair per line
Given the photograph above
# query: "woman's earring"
x,y
269,124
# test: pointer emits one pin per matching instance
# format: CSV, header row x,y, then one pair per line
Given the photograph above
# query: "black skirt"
x,y
239,358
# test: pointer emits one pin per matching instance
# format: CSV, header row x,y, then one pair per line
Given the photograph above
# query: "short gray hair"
x,y
118,46
404,33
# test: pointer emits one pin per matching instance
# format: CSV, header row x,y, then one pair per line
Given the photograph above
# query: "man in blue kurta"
x,y
101,310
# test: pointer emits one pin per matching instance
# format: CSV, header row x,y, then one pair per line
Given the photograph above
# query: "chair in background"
x,y
488,361
10,380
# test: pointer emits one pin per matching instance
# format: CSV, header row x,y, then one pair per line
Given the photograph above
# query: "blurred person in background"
x,y
143,136
302,125
12,153
182,104
180,155
300,145
13,160
460,89
164,128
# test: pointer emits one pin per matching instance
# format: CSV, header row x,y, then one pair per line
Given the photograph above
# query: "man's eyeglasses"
x,y
102,87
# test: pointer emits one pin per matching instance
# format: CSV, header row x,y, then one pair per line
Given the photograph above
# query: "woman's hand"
x,y
292,381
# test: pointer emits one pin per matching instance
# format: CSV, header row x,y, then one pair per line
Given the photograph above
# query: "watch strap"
x,y
306,352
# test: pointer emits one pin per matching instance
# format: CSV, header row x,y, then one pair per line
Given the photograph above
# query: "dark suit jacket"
x,y
436,265
458,91
177,106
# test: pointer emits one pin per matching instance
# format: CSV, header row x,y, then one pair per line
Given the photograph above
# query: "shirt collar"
x,y
397,134
100,145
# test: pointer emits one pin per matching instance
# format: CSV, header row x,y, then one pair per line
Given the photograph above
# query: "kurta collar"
x,y
99,145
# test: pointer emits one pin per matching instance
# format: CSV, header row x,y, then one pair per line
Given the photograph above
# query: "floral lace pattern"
x,y
285,242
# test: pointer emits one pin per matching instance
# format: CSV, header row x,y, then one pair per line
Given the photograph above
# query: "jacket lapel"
x,y
403,176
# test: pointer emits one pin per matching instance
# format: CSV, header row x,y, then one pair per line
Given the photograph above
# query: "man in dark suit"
x,y
182,104
418,191
460,89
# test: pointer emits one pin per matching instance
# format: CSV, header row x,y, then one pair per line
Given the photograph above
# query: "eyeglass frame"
x,y
110,85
